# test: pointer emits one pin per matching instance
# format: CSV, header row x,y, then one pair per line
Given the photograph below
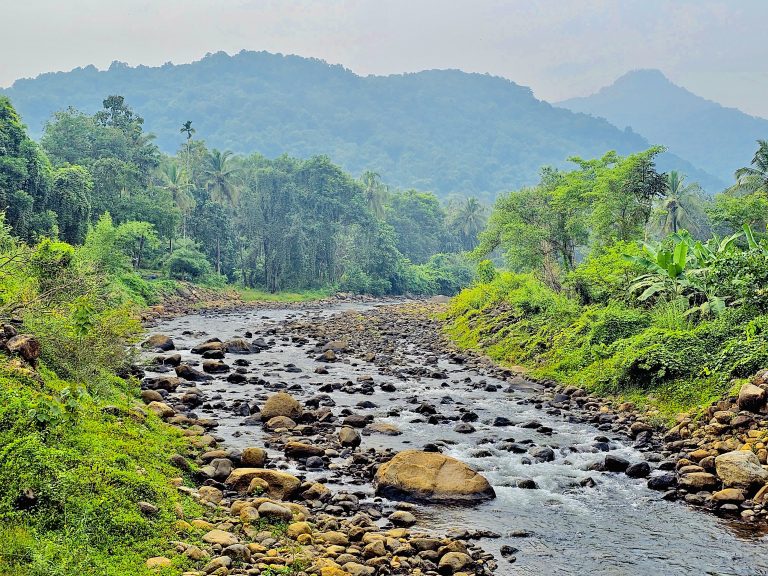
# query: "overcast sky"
x,y
560,48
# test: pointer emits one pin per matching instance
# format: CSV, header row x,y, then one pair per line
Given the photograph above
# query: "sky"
x,y
559,48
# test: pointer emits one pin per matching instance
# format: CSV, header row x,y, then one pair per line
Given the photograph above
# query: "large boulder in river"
x,y
281,485
751,398
188,373
740,469
431,476
237,346
281,404
159,342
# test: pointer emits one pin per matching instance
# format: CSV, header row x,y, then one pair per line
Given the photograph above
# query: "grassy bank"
x,y
658,358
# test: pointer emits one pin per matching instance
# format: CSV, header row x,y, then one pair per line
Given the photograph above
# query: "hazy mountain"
x,y
441,130
713,137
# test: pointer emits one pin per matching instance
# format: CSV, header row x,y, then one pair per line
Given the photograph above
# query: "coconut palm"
x,y
174,179
678,206
220,177
375,192
751,179
471,220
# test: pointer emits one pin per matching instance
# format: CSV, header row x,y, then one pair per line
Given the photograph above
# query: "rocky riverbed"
x,y
389,452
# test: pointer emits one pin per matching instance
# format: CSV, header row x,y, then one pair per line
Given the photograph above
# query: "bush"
x,y
188,263
605,276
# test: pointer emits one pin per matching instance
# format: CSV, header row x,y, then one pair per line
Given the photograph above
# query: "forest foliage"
x,y
623,280
211,216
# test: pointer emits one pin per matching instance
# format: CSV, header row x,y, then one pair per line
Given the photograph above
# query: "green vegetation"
x,y
77,453
211,217
673,322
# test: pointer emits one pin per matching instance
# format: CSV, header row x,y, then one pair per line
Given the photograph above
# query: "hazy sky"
x,y
560,48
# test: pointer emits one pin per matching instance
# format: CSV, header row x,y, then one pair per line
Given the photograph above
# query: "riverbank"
x,y
712,441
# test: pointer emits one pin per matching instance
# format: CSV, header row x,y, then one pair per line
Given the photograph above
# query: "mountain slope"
x,y
440,130
707,134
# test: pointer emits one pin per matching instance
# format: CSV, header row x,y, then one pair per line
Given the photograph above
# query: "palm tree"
x,y
175,181
679,203
375,192
471,220
220,176
751,179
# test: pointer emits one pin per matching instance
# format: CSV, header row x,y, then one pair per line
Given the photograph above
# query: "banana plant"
x,y
666,270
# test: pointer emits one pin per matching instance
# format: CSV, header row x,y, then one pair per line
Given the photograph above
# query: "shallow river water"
x,y
618,527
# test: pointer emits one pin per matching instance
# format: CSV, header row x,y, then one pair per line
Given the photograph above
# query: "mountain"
x,y
707,134
441,130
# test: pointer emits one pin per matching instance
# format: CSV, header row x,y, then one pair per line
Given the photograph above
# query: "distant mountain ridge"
x,y
446,131
711,136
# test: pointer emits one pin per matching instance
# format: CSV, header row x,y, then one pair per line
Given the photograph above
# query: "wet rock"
x,y
615,463
638,470
279,422
281,404
357,420
253,457
211,344
215,367
300,450
733,495
454,562
740,469
527,484
663,481
431,476
188,373
159,342
501,421
464,428
237,346
542,453
402,518
349,437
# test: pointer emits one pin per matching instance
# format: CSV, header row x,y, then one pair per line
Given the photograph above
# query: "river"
x,y
617,527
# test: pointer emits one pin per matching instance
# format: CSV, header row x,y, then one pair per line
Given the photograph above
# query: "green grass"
x,y
253,295
88,467
657,358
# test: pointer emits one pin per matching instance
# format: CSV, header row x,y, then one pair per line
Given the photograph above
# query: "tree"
x,y
70,199
679,207
375,192
25,175
470,220
135,238
754,178
220,177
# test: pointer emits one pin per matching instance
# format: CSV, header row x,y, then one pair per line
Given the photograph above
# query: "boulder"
x,y
740,469
279,422
215,367
237,346
431,476
25,346
273,510
454,562
188,373
253,457
158,562
349,437
212,344
751,398
161,409
159,342
698,481
300,450
281,404
280,485
220,537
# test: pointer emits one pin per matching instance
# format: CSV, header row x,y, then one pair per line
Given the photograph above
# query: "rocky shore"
x,y
313,497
